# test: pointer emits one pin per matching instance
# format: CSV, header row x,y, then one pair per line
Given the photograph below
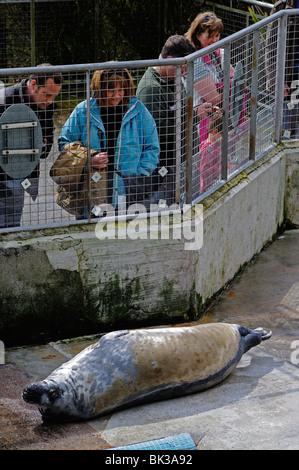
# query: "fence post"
x,y
189,130
97,30
88,146
254,93
32,27
225,107
280,76
178,132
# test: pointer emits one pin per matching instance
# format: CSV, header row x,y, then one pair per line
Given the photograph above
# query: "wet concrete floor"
x,y
256,407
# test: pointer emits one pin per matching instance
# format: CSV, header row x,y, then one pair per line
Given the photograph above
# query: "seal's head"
x,y
55,401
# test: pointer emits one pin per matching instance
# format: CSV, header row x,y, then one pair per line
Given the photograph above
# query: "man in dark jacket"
x,y
291,106
157,90
38,92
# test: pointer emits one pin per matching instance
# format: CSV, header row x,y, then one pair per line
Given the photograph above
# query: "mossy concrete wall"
x,y
67,282
292,184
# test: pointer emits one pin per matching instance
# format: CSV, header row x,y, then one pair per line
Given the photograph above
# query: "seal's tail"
x,y
253,337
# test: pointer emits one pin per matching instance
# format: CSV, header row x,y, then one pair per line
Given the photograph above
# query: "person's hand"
x,y
99,160
206,109
286,90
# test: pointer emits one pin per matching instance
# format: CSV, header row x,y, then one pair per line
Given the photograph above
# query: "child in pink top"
x,y
210,153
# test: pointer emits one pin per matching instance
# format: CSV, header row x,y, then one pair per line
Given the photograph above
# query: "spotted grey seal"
x,y
130,367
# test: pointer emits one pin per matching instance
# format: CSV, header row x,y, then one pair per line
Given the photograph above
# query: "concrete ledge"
x,y
60,282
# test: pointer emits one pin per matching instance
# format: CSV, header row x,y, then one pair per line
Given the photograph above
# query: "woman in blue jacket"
x,y
122,130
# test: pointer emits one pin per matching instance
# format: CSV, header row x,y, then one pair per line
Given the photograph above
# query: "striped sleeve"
x,y
200,69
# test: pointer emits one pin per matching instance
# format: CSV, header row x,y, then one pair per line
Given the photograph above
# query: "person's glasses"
x,y
208,17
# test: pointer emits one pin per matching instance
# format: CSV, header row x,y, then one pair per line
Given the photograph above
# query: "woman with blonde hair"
x,y
205,30
122,132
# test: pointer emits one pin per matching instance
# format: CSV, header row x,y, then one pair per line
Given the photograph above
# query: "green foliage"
x,y
256,20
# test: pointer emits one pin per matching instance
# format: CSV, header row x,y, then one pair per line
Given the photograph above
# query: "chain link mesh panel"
x,y
144,151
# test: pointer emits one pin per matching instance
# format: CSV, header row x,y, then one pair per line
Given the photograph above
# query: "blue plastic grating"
x,y
179,441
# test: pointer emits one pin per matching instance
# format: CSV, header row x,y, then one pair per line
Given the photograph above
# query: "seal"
x,y
131,367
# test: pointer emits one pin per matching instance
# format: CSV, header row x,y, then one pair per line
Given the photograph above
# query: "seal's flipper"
x,y
253,337
263,333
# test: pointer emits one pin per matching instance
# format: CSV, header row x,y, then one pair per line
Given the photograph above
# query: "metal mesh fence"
x,y
235,19
107,150
44,209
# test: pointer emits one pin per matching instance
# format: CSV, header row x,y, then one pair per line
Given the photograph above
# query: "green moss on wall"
x,y
51,310
117,296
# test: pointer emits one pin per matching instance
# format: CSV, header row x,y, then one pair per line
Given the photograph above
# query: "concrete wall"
x,y
66,281
292,185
